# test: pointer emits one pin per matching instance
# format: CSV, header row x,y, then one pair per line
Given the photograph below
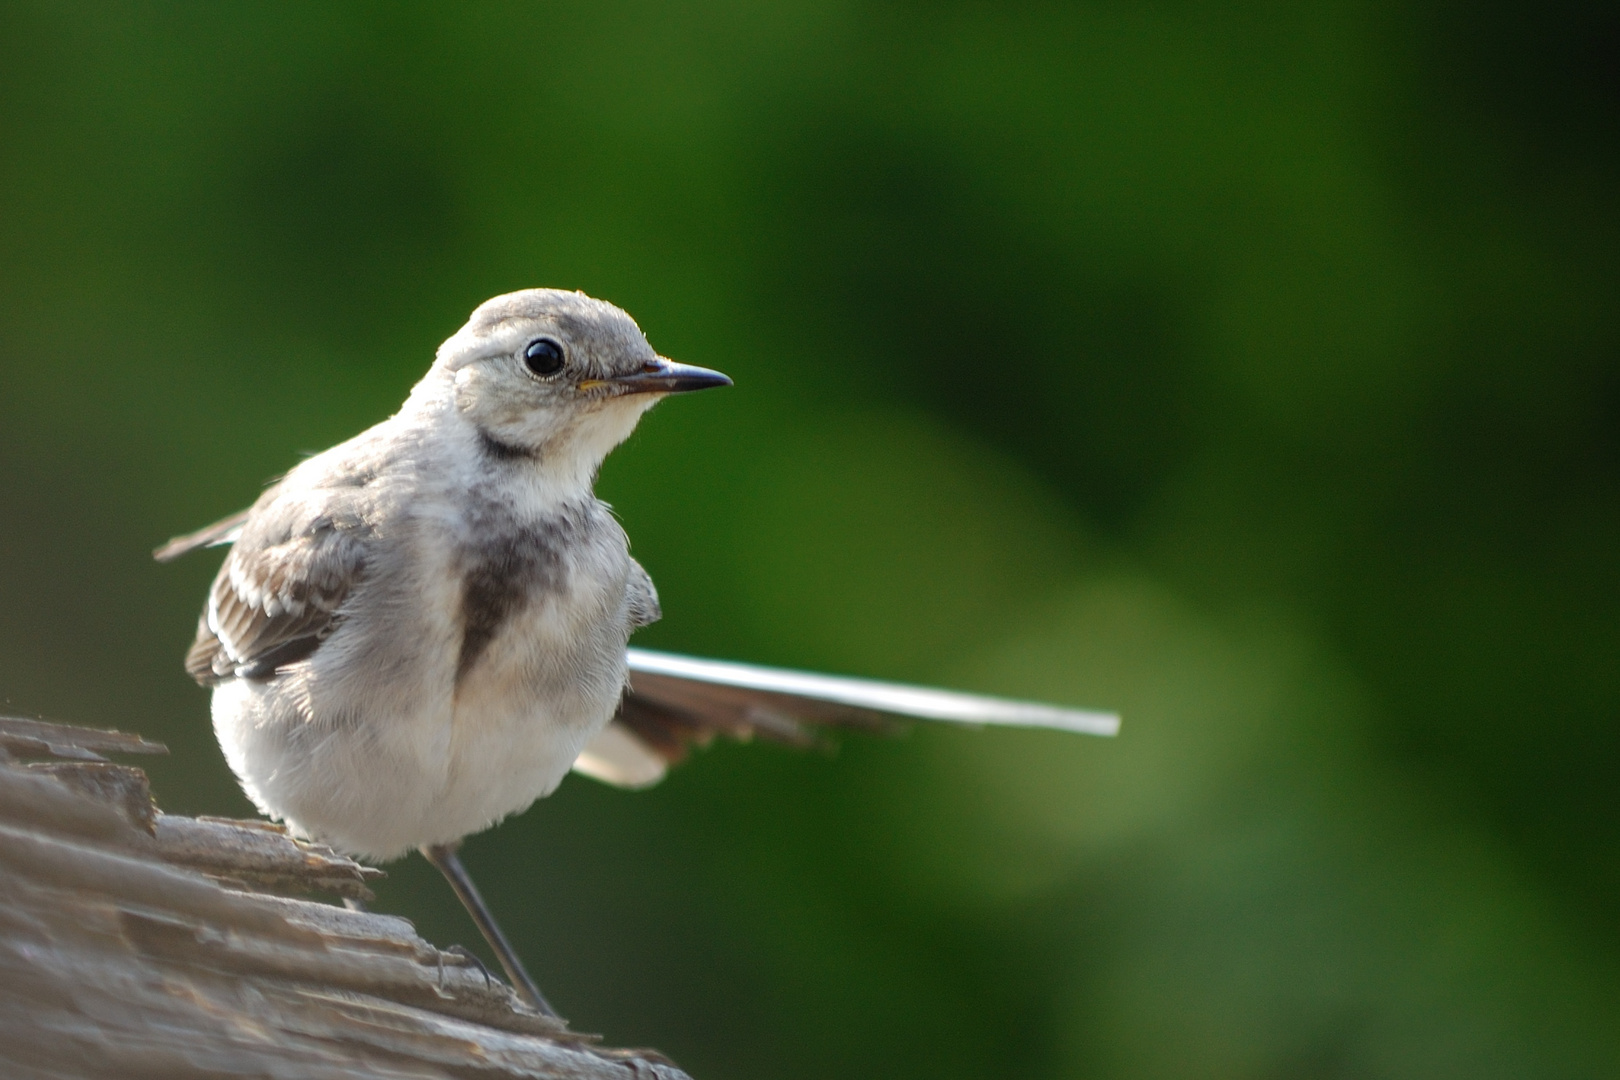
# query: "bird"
x,y
422,630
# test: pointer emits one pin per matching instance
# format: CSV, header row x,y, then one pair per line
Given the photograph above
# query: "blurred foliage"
x,y
1253,369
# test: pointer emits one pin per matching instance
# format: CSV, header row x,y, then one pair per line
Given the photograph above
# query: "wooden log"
x,y
135,943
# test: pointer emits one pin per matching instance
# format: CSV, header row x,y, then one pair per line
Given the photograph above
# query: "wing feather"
x,y
221,532
752,688
273,603
677,702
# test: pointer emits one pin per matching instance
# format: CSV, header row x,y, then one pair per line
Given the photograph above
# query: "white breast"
x,y
548,681
379,743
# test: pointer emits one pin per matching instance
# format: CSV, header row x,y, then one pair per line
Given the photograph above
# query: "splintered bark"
x,y
135,943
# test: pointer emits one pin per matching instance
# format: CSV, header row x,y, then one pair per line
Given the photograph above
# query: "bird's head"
x,y
557,376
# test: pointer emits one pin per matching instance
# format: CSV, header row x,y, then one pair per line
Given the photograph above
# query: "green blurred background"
x,y
1253,370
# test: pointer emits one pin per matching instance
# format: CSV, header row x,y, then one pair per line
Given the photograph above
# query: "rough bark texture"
x,y
135,943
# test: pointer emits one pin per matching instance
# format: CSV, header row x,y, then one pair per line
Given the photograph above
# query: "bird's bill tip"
x,y
664,376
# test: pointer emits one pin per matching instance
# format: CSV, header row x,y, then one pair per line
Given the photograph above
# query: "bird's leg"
x,y
445,858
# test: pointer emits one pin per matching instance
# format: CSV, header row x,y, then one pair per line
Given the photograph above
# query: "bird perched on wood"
x,y
420,631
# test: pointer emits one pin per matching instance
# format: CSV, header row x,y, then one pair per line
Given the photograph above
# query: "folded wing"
x,y
280,591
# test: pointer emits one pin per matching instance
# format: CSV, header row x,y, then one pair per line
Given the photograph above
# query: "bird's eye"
x,y
543,356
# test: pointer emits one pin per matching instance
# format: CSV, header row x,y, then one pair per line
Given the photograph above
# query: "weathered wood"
x,y
135,943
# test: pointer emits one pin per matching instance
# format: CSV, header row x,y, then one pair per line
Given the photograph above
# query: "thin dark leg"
x,y
445,858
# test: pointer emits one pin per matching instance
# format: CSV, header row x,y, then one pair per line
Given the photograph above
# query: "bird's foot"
x,y
468,958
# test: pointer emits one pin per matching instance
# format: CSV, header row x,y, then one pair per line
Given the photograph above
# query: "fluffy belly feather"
x,y
368,788
377,758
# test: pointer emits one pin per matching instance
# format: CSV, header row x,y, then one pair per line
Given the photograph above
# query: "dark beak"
x,y
663,376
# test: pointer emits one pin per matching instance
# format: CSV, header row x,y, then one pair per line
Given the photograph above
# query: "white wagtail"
x,y
421,630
